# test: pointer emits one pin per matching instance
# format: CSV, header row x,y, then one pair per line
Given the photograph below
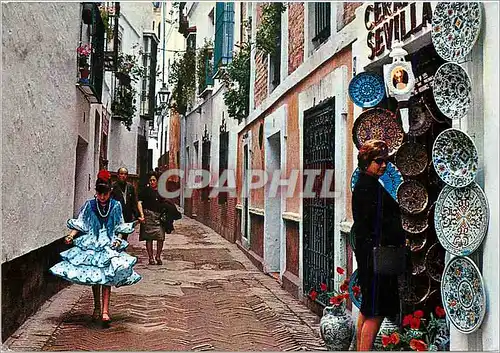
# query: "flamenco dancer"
x,y
97,257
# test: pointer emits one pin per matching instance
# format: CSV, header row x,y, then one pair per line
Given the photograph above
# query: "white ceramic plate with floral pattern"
x,y
455,158
463,294
461,218
452,90
455,29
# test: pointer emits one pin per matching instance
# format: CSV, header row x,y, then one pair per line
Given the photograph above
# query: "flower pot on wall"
x,y
84,75
337,328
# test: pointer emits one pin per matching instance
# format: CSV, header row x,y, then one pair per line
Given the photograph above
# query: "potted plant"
x,y
84,52
419,333
336,325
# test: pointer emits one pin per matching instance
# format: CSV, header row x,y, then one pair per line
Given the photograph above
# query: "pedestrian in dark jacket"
x,y
376,218
124,192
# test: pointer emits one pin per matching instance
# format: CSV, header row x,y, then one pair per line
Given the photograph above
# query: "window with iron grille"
x,y
223,158
224,34
322,17
149,78
275,62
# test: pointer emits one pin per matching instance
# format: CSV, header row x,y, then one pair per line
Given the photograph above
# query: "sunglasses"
x,y
380,161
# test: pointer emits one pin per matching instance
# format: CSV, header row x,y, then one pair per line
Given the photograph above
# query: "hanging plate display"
x,y
461,218
414,290
417,241
411,158
452,90
355,293
463,294
390,180
420,119
414,224
380,124
455,29
366,89
455,159
434,262
418,263
412,197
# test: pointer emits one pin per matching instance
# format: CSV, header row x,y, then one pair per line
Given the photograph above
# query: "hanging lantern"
x,y
400,81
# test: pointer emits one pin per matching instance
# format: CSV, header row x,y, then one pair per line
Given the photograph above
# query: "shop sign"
x,y
389,21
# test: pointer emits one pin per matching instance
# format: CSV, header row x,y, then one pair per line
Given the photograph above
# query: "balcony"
x,y
205,75
90,53
148,88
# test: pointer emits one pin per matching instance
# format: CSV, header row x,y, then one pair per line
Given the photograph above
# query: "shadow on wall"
x,y
27,284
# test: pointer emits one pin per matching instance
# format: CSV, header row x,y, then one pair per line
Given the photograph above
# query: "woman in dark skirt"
x,y
379,292
151,205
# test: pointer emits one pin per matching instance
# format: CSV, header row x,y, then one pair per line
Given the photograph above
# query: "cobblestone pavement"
x,y
206,296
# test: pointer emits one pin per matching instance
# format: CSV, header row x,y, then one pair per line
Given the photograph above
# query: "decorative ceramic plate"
x,y
353,281
434,262
452,90
455,159
455,29
411,158
412,197
463,294
390,180
417,241
414,290
418,263
414,224
461,218
420,119
367,89
380,124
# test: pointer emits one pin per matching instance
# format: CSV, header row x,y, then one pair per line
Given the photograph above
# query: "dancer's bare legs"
x,y
96,291
106,293
369,331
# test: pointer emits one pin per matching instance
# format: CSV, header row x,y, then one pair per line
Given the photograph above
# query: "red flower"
x,y
313,294
440,312
415,323
418,345
104,175
394,338
386,340
323,287
418,314
340,270
344,287
356,290
336,300
407,319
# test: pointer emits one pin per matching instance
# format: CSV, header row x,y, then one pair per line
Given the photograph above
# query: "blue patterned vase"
x,y
336,327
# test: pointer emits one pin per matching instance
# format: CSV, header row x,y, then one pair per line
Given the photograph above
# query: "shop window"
x,y
224,35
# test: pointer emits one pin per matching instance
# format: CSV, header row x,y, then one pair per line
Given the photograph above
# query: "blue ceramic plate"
x,y
390,180
353,281
366,89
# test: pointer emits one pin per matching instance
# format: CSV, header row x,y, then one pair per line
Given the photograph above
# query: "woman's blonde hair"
x,y
371,149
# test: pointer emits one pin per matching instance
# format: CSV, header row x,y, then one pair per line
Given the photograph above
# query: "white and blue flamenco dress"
x,y
92,260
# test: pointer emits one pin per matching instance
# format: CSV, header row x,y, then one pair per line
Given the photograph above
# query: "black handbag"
x,y
388,259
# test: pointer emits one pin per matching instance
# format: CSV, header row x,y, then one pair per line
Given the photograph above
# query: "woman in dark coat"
x,y
150,206
374,209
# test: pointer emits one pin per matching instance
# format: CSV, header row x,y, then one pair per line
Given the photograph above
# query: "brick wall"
x,y
349,11
222,218
295,35
260,85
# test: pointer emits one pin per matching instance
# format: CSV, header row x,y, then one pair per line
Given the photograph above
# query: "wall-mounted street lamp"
x,y
164,95
399,81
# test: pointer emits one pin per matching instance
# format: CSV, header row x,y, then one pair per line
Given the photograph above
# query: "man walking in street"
x,y
124,192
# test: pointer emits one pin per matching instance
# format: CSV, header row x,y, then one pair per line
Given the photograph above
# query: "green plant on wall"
x,y
182,78
124,103
105,20
236,77
269,28
204,65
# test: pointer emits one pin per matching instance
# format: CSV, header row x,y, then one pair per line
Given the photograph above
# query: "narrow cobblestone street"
x,y
206,296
